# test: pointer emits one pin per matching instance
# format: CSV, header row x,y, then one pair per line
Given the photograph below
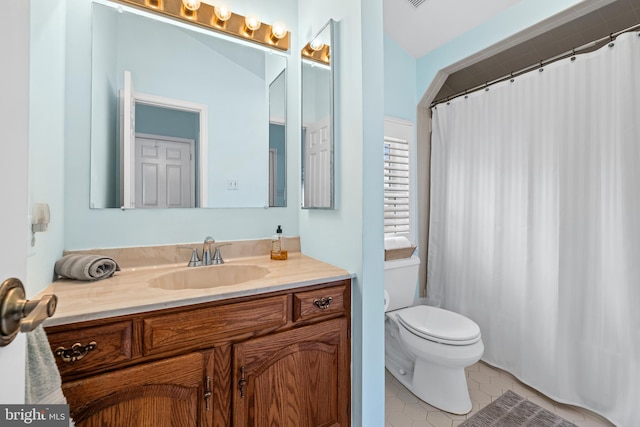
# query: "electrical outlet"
x,y
232,183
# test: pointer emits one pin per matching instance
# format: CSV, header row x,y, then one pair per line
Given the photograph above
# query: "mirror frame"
x,y
331,25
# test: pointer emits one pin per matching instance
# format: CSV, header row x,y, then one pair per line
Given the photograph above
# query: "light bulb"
x,y
222,13
316,45
191,5
279,30
252,23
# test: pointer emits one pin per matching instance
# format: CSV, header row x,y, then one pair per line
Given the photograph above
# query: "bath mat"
x,y
513,410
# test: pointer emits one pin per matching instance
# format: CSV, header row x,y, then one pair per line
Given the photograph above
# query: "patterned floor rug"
x,y
513,410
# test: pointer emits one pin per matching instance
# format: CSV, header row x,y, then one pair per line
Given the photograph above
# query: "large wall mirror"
x,y
318,67
183,118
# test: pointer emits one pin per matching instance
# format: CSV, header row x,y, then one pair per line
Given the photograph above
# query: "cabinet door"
x,y
172,392
292,379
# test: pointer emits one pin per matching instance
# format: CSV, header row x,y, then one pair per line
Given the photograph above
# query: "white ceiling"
x,y
436,22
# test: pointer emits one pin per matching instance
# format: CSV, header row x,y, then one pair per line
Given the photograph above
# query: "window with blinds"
x,y
397,217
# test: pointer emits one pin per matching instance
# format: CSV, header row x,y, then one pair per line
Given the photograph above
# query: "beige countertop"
x,y
130,290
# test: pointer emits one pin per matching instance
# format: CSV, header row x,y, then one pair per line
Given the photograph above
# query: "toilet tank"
x,y
400,281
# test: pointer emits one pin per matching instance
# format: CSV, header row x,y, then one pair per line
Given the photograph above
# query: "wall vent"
x,y
416,3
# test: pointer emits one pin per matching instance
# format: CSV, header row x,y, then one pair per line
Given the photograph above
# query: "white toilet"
x,y
427,348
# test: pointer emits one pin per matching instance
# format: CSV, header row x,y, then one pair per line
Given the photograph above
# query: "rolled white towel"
x,y
86,267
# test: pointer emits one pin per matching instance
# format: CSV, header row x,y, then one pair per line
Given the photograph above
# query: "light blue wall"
x,y
400,99
105,179
372,212
351,236
513,20
46,136
101,228
167,122
315,96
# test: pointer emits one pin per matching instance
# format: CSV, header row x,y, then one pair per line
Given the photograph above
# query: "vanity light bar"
x,y
317,54
205,16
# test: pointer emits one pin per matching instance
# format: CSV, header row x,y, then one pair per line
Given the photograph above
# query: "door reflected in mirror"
x,y
204,119
318,65
277,140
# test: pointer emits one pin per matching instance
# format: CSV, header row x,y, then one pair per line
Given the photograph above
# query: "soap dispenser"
x,y
278,251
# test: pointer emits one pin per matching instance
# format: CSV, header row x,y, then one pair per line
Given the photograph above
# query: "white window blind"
x,y
397,218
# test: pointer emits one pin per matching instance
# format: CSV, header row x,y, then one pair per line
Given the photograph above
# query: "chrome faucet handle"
x,y
194,261
217,257
206,250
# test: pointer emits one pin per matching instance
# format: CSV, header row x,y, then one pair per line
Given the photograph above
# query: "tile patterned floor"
x,y
486,384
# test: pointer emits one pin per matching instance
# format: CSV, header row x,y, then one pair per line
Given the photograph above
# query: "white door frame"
x,y
128,142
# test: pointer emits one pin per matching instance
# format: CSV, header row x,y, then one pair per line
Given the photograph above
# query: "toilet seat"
x,y
438,325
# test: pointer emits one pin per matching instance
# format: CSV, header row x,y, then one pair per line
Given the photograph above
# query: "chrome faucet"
x,y
194,261
217,257
206,250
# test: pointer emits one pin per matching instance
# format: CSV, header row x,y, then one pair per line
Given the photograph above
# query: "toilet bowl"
x,y
427,348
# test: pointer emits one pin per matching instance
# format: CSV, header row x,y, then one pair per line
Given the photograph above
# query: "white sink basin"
x,y
208,277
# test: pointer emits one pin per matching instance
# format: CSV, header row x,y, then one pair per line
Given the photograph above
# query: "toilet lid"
x,y
436,324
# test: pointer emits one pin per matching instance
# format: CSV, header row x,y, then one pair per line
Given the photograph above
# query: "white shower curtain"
x,y
535,225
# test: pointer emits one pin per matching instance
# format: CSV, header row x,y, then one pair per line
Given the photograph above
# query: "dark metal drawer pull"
x,y
322,303
207,392
76,352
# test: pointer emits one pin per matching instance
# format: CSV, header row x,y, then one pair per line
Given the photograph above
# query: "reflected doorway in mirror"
x,y
144,180
319,62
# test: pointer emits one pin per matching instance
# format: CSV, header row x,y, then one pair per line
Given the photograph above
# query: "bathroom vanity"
x,y
269,351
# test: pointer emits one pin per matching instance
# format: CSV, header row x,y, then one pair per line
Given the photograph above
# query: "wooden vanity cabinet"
x,y
275,359
166,393
293,378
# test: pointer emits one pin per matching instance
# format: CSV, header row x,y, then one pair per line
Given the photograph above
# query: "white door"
x,y
14,134
317,168
165,175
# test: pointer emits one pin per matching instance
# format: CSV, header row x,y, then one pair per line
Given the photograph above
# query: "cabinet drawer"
x,y
202,328
86,350
320,302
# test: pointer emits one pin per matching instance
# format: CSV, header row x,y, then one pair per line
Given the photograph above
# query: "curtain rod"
x,y
611,37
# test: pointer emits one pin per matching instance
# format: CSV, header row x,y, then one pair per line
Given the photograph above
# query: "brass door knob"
x,y
17,314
